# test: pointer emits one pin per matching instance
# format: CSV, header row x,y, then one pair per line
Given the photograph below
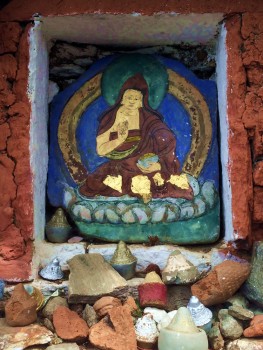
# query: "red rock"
x,y
20,309
221,283
256,327
118,334
9,38
105,304
258,173
258,204
69,326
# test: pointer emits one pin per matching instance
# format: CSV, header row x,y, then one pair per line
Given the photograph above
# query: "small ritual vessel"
x,y
123,261
182,334
146,332
201,315
153,292
52,271
58,229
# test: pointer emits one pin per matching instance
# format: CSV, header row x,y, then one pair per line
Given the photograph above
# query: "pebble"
x,y
230,328
90,316
240,313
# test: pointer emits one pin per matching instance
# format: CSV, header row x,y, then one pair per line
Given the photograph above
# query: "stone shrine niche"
x,y
134,154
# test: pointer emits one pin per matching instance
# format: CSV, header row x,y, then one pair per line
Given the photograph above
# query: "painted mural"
x,y
133,152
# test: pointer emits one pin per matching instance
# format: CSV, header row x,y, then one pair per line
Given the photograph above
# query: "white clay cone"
x,y
182,334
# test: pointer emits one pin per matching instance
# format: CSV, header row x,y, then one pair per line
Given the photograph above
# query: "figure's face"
x,y
132,99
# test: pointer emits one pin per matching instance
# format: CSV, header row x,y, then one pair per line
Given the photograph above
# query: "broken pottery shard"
x,y
69,326
116,334
91,278
14,338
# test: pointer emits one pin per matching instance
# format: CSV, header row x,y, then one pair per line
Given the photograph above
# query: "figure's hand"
x,y
152,167
123,130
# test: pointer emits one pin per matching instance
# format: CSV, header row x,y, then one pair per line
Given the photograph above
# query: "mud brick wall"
x,y
16,209
252,56
245,94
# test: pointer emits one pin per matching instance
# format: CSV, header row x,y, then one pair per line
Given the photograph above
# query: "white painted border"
x,y
38,147
38,95
221,72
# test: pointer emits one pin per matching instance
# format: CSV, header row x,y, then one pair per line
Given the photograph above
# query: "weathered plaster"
x,y
130,30
221,70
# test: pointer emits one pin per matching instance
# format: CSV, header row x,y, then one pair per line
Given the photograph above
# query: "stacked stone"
x,y
16,209
98,311
68,61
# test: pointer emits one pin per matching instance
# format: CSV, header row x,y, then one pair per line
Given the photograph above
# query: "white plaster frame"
x,y
38,94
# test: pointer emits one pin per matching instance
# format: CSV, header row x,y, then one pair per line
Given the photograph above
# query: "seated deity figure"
x,y
140,149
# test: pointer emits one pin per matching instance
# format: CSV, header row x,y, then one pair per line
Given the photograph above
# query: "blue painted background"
x,y
175,116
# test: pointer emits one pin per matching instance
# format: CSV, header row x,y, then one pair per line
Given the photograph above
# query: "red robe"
x,y
155,137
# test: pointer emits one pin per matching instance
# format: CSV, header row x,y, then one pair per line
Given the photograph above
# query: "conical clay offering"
x,y
123,261
182,334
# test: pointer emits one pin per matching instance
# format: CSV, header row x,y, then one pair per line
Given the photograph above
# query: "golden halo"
x,y
190,97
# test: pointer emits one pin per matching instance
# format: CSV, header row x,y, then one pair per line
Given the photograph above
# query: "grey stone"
x,y
230,327
52,305
240,313
89,315
68,52
67,71
253,287
83,62
216,341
